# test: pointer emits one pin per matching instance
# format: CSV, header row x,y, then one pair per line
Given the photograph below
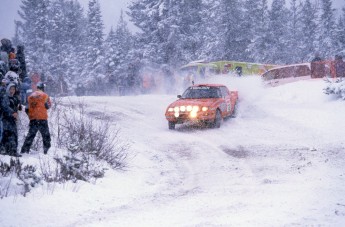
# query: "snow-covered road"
x,y
280,162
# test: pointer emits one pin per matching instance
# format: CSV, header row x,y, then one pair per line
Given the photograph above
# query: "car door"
x,y
227,100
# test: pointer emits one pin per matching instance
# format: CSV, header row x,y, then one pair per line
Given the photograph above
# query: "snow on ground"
x,y
280,162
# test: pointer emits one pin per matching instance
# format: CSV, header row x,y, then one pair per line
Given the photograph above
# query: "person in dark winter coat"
x,y
80,90
4,106
10,116
51,88
21,58
38,104
339,65
62,87
317,67
3,69
25,90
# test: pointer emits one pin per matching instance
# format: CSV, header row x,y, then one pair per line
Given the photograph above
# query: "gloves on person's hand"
x,y
46,105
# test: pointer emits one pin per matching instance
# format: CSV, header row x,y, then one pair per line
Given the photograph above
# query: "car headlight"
x,y
189,108
176,109
204,108
195,108
170,109
193,114
182,108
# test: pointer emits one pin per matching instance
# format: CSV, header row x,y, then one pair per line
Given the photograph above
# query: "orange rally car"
x,y
208,103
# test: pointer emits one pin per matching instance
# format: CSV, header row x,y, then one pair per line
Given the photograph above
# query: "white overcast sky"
x,y
9,12
111,11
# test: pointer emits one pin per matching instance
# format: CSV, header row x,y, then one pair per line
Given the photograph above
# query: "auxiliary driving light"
x,y
193,114
195,108
204,108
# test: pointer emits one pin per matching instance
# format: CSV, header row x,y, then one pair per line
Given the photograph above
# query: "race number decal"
x,y
229,107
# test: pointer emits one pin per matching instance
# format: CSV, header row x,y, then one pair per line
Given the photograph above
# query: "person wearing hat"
x,y
37,110
10,116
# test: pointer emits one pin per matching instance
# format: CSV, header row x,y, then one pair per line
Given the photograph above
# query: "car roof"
x,y
208,85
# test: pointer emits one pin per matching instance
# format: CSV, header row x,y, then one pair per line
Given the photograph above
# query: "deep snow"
x,y
280,162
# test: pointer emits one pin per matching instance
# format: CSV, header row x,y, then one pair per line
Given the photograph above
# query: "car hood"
x,y
195,102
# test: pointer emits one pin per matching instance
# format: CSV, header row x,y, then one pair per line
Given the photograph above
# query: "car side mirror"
x,y
179,96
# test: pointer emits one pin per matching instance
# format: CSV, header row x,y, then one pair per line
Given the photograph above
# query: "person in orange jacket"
x,y
38,104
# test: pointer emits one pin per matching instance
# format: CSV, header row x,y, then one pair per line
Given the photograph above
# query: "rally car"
x,y
204,103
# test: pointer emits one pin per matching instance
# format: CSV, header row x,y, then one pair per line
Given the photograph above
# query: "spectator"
x,y
10,116
35,78
80,90
12,75
339,66
21,58
51,86
317,67
25,90
3,107
62,87
12,54
3,69
38,104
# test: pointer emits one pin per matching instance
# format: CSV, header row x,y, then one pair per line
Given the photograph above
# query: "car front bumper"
x,y
186,117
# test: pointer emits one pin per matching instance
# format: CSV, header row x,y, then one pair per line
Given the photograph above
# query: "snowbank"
x,y
280,162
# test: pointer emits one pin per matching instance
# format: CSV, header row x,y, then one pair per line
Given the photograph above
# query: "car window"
x,y
202,92
224,91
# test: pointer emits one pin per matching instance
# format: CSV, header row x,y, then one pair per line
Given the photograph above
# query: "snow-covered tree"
x,y
277,33
170,29
258,48
35,14
117,47
340,33
232,30
327,44
94,51
76,38
309,27
294,33
146,16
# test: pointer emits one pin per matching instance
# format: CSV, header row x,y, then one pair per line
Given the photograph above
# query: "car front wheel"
x,y
217,120
171,125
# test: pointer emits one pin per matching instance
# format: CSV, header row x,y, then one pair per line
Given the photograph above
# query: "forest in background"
x,y
61,39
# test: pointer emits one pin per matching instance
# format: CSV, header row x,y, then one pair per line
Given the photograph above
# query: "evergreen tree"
x,y
170,29
340,34
294,33
252,23
186,18
146,16
309,31
35,14
75,38
209,31
327,44
259,47
234,42
58,35
94,49
278,41
118,45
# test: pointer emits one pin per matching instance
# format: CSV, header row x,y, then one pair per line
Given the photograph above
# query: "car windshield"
x,y
202,92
